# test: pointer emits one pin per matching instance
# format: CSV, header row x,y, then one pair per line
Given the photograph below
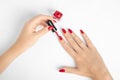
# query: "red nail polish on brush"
x,y
63,30
82,32
69,30
62,70
50,23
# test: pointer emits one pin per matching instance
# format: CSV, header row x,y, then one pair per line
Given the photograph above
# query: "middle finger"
x,y
70,40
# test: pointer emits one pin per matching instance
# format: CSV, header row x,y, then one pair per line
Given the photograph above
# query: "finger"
x,y
74,70
43,31
70,40
68,70
77,40
68,49
44,24
34,22
87,40
43,21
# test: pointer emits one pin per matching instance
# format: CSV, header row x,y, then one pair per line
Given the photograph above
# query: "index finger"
x,y
39,20
67,47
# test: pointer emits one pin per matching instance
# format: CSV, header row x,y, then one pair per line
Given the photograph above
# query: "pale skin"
x,y
87,59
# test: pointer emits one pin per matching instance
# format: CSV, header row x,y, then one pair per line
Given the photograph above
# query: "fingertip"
x,y
68,70
60,38
63,30
81,31
50,28
70,31
62,70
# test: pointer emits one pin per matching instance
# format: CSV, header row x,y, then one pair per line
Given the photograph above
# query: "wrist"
x,y
101,74
25,43
13,52
19,47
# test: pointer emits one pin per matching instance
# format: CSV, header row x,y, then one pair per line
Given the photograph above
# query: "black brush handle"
x,y
50,23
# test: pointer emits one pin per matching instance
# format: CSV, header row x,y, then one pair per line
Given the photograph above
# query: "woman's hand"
x,y
26,39
29,35
88,61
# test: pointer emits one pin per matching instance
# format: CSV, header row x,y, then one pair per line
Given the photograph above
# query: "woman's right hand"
x,y
88,61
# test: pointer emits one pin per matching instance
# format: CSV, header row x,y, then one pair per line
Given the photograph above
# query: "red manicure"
x,y
50,28
60,37
69,30
63,30
82,32
62,70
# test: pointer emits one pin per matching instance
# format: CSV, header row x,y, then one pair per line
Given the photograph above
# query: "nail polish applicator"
x,y
57,15
50,23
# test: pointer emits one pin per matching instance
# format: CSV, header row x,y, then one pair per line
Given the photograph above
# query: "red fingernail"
x,y
60,37
63,30
62,70
69,30
82,32
50,28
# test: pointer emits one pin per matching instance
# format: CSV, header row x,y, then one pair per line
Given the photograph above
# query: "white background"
x,y
100,19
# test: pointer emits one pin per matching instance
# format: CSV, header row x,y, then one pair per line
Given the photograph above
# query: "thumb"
x,y
74,70
44,31
69,70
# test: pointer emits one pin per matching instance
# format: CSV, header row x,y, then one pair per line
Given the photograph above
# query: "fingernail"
x,y
60,37
69,30
50,28
82,32
63,30
54,21
62,70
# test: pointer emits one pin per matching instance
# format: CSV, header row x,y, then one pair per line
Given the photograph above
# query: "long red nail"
x,y
82,32
60,37
63,30
50,28
69,30
62,70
